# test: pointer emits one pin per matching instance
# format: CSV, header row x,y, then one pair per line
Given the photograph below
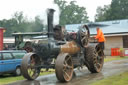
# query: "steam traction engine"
x,y
69,50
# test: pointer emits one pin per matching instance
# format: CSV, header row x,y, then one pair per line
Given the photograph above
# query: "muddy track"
x,y
83,77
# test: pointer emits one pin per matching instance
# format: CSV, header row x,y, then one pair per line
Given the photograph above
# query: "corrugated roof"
x,y
108,27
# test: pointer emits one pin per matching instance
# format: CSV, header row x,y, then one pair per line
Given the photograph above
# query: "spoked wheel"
x,y
100,58
30,66
94,60
83,36
64,67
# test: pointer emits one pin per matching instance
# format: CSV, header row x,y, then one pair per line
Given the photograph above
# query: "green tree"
x,y
7,24
71,13
118,9
102,13
20,23
38,24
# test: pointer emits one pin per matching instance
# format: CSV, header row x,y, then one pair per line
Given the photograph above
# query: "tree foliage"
x,y
118,9
71,13
102,13
20,23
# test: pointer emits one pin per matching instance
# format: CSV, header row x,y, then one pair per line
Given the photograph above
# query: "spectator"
x,y
100,37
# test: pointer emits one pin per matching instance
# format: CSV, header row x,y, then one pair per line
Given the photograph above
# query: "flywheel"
x,y
83,36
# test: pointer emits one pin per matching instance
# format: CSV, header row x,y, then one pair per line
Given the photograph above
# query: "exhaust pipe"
x,y
50,14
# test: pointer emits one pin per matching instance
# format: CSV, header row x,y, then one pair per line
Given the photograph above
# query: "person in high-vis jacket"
x,y
100,37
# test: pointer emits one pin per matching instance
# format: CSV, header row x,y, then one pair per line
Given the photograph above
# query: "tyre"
x,y
94,60
17,71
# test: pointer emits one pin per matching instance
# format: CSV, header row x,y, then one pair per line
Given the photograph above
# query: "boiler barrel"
x,y
70,47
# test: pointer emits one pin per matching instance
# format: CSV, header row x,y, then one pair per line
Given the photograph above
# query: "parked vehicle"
x,y
10,61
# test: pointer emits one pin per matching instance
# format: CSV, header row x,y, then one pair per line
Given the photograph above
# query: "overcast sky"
x,y
31,8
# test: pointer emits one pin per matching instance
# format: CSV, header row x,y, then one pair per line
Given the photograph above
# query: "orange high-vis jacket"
x,y
100,36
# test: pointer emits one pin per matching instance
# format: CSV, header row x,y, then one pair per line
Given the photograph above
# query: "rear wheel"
x,y
64,67
93,58
30,66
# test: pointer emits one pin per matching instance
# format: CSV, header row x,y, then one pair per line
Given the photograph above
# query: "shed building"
x,y
116,33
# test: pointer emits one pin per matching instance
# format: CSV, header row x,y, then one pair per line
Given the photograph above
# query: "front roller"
x,y
64,67
30,66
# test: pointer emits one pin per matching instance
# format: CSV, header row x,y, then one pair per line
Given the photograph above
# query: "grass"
x,y
5,79
109,58
121,79
10,79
